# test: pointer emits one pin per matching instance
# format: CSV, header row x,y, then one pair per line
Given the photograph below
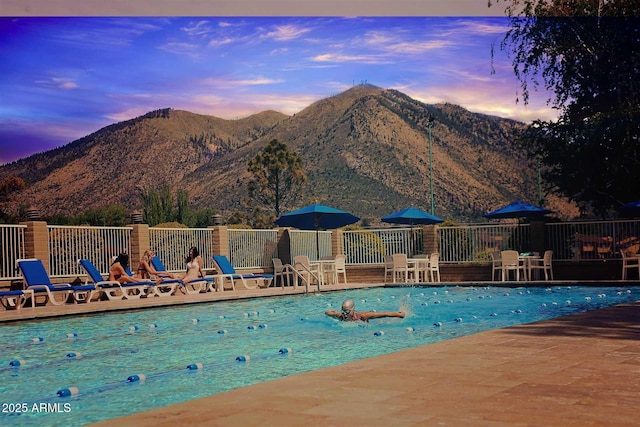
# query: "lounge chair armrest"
x,y
108,283
58,286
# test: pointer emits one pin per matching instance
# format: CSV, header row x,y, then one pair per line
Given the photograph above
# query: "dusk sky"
x,y
64,78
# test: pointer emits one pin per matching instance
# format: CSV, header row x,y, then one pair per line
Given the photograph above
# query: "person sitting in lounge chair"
x,y
146,269
118,268
194,266
350,314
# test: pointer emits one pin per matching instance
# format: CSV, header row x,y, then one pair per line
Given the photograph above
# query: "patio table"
x,y
324,267
526,260
420,267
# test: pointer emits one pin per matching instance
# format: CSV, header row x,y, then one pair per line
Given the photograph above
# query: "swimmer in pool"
x,y
350,314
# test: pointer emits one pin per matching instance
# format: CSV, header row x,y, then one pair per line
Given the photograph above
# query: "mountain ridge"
x,y
364,150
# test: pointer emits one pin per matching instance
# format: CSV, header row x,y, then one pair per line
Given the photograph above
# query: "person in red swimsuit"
x,y
349,313
117,270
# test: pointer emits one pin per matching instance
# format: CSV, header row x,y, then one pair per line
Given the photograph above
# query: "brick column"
x,y
36,241
140,242
430,241
220,244
337,246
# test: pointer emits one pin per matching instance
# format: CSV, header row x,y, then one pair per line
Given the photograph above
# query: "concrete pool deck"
x,y
578,370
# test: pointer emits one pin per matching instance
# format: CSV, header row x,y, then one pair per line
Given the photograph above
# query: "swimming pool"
x,y
122,363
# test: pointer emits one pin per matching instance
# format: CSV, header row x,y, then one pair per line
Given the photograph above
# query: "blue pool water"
x,y
101,355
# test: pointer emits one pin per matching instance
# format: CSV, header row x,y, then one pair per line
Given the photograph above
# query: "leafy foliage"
x,y
258,219
8,187
202,218
277,172
587,54
183,211
157,205
109,215
158,208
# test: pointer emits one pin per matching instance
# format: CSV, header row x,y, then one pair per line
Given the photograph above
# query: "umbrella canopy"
x,y
315,217
411,216
517,209
630,209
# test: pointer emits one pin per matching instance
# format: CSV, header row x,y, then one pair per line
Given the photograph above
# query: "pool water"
x,y
128,362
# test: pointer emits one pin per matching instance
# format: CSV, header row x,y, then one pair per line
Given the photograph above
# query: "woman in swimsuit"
x,y
117,271
349,313
194,266
146,270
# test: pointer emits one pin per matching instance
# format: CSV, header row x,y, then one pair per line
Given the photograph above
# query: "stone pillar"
x,y
36,241
140,242
220,244
337,243
430,241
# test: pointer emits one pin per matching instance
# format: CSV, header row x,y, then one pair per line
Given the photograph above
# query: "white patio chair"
x,y
340,268
388,268
511,262
544,264
283,272
401,269
306,270
629,262
434,267
496,264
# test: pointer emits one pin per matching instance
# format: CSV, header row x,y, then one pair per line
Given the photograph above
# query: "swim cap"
x,y
348,304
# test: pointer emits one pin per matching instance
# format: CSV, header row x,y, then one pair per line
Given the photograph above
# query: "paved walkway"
x,y
579,370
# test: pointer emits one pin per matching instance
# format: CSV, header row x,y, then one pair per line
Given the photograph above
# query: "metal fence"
x,y
473,243
588,240
247,248
313,244
573,240
68,244
252,248
371,246
12,244
172,246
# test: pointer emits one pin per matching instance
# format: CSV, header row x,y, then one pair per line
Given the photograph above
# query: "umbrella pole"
x,y
317,224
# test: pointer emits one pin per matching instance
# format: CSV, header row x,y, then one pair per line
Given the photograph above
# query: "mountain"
x,y
365,150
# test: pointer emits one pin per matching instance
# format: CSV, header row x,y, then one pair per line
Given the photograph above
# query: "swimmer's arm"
x,y
333,313
366,315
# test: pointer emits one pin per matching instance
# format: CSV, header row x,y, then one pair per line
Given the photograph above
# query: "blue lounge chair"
x,y
114,290
15,300
226,271
194,286
37,280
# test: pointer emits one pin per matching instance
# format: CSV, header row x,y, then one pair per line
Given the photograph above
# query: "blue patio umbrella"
x,y
411,216
315,217
517,209
630,209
